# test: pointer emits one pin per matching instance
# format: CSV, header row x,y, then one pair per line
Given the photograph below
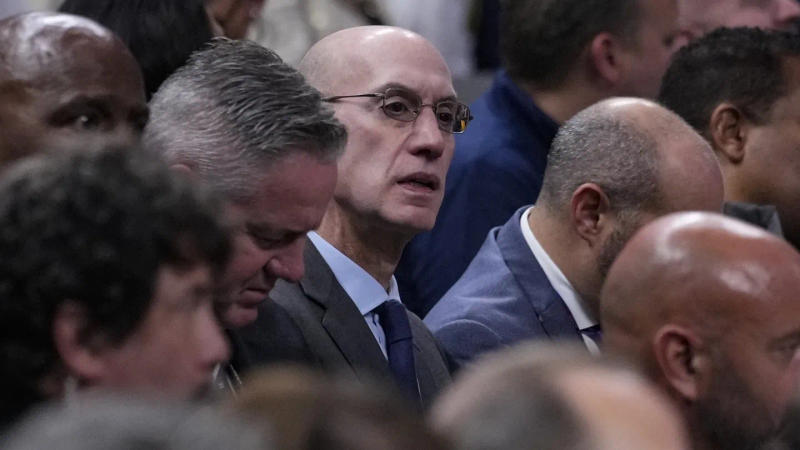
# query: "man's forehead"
x,y
41,35
398,60
54,58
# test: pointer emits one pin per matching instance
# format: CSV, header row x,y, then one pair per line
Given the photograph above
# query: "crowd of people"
x,y
203,246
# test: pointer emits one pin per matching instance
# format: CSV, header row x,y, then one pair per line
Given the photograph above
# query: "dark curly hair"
x,y
92,228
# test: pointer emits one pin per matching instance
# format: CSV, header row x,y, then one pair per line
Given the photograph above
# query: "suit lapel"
x,y
341,319
550,309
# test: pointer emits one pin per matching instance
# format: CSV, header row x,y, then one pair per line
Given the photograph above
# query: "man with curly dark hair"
x,y
107,264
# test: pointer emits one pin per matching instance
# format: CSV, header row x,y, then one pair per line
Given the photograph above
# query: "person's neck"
x,y
567,253
736,190
374,248
563,102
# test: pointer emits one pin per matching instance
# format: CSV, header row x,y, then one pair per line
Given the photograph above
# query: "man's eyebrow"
x,y
89,99
396,85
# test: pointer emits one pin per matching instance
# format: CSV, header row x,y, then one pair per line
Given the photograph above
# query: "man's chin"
x,y
237,316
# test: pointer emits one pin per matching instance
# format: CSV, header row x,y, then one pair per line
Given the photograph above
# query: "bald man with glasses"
x,y
393,92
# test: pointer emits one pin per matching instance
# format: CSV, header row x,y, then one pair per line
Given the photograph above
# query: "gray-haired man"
x,y
248,126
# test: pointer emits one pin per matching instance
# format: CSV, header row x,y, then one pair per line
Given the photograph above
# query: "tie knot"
x,y
394,320
594,333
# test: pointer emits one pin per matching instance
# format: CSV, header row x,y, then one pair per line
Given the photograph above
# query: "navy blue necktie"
x,y
399,345
594,333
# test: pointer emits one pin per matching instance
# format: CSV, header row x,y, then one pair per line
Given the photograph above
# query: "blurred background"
x,y
465,31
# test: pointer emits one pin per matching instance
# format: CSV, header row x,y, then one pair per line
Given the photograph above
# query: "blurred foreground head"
x,y
107,263
66,82
708,307
307,411
127,423
555,397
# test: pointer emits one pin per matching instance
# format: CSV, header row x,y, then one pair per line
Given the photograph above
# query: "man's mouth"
x,y
420,181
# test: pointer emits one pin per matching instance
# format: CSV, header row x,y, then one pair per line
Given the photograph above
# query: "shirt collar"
x,y
363,289
583,318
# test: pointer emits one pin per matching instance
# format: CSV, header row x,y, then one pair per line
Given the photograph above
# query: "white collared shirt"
x,y
360,286
582,316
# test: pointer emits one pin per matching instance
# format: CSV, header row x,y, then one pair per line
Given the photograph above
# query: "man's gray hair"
x,y
599,145
233,110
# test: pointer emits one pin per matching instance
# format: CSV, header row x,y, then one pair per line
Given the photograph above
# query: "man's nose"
x,y
429,139
288,264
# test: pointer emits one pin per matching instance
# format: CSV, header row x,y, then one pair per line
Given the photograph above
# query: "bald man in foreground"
x,y
548,396
612,168
393,92
66,82
708,307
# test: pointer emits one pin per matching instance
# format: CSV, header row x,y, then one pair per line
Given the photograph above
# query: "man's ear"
x,y
684,367
590,210
606,56
79,355
728,129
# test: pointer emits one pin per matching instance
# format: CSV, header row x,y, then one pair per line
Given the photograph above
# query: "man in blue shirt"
x,y
561,56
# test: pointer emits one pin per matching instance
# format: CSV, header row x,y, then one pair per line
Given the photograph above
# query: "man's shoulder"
x,y
292,299
487,275
487,286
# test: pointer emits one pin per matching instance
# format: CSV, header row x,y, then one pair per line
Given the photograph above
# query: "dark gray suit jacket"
x,y
338,337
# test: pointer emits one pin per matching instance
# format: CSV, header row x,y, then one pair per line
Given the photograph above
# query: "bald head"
x,y
555,396
708,306
642,155
340,60
65,80
698,269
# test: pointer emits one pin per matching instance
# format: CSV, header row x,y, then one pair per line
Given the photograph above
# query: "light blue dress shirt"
x,y
365,290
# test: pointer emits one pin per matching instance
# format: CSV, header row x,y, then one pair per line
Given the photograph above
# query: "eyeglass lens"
x,y
400,104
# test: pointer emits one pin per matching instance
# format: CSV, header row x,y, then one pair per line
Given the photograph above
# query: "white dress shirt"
x,y
582,316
